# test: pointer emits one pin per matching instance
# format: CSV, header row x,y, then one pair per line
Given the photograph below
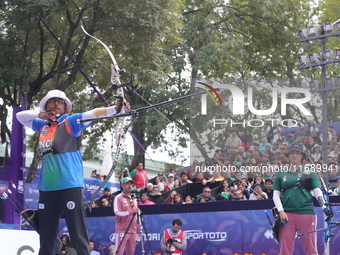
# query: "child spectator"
x,y
201,200
145,199
185,178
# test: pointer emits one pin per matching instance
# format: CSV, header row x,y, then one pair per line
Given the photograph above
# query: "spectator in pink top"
x,y
145,200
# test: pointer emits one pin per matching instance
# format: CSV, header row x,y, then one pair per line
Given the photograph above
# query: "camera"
x,y
171,241
140,190
136,193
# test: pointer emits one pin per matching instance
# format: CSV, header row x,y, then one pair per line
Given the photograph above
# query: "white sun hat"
x,y
52,94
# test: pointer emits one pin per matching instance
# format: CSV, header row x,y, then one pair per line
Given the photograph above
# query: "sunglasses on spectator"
x,y
207,191
237,193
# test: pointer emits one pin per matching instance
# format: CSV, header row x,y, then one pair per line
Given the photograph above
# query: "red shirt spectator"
x,y
139,176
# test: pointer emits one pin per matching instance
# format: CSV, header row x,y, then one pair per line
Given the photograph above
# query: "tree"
x,y
136,31
242,42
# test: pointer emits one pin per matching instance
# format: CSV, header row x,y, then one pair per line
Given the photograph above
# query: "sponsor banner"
x,y
31,193
213,233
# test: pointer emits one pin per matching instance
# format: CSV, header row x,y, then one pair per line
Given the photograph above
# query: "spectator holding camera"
x,y
174,240
125,173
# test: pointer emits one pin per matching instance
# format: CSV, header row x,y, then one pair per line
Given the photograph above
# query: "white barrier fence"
x,y
19,242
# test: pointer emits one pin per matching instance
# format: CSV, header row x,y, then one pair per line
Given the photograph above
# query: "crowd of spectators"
x,y
244,170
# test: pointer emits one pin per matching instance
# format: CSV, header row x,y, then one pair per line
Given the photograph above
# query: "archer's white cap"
x,y
52,94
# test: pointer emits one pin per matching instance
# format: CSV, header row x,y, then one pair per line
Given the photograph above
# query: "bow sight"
x,y
130,83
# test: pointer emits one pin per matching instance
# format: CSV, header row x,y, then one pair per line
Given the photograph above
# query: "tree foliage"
x,y
239,42
33,62
168,46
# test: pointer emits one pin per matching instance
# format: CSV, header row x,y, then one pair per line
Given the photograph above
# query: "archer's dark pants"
x,y
51,205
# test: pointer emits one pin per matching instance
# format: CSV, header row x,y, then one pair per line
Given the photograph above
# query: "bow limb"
x,y
116,72
115,161
114,62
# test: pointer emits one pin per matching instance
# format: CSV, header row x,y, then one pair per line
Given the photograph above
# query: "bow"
x,y
121,129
